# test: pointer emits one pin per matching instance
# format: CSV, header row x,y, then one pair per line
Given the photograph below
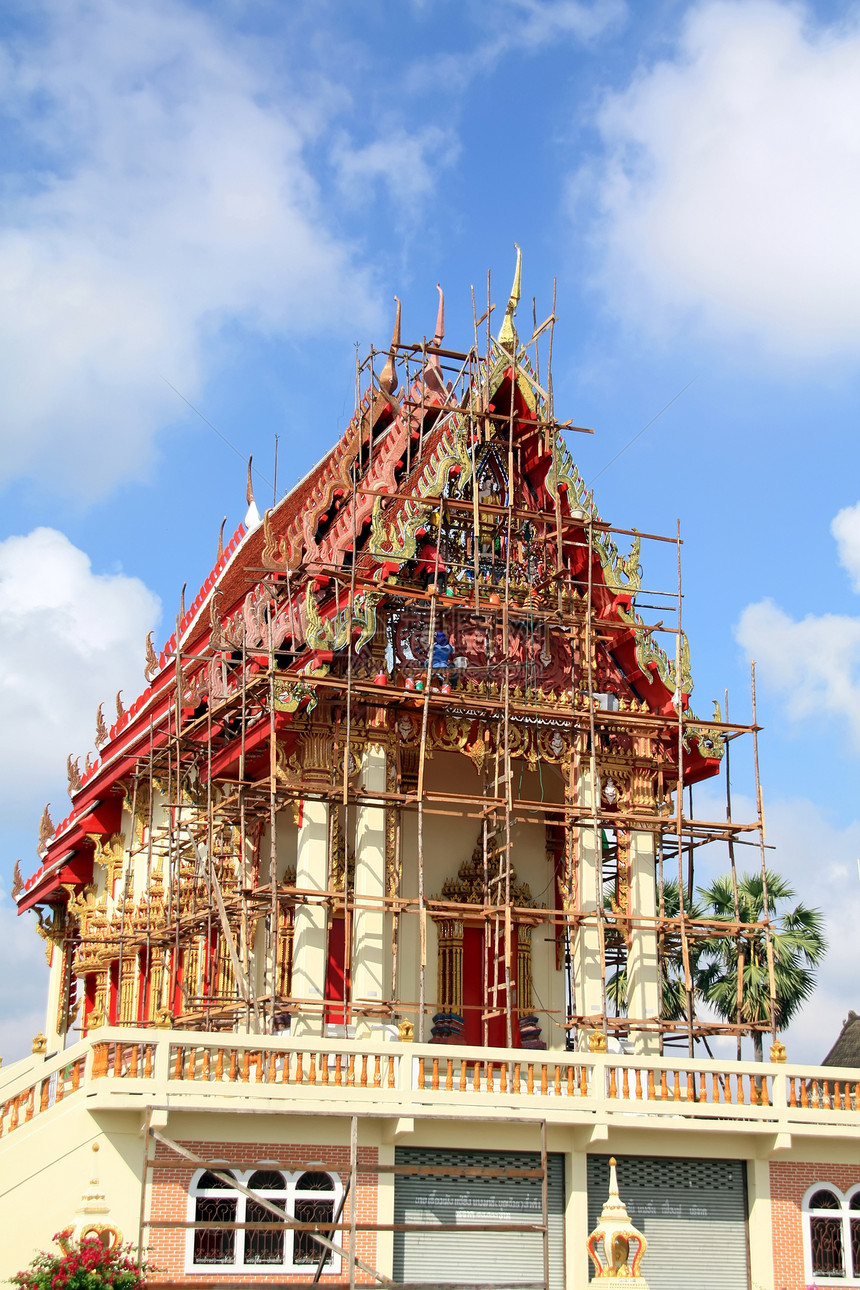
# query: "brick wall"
x,y
789,1182
171,1179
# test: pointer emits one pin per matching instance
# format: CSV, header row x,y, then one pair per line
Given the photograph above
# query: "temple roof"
x,y
846,1050
355,521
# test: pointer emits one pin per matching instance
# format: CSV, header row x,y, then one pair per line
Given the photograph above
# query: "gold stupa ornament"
x,y
614,1265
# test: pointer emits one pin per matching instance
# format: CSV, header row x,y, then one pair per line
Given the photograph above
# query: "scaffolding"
x,y
341,641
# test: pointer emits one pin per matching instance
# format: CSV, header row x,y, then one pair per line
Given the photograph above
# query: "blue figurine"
x,y
442,651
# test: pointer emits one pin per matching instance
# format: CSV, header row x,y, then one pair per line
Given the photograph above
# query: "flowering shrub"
x,y
83,1265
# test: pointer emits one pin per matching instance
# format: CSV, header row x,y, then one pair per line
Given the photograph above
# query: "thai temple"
x,y
366,917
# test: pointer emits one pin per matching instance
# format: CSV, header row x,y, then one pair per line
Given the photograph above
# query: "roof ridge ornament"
x,y
252,518
439,333
46,829
508,338
388,376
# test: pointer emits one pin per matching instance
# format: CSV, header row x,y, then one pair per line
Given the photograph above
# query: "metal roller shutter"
x,y
495,1258
693,1214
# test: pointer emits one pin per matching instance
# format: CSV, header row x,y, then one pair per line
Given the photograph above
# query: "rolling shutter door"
x,y
495,1258
693,1214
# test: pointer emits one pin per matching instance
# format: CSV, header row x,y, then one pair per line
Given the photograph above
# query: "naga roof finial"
x,y
388,376
252,518
221,540
151,659
46,828
439,334
101,728
508,334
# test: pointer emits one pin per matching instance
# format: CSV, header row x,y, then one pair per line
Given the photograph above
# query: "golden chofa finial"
x,y
508,334
388,376
439,334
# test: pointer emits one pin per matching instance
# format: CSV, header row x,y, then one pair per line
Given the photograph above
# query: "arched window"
x,y
314,1203
265,1244
215,1203
854,1225
252,1235
832,1235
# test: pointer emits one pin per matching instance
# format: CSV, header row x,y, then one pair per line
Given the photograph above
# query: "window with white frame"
x,y
832,1234
239,1233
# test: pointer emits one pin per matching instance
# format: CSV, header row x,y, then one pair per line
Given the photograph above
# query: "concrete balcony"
x,y
124,1069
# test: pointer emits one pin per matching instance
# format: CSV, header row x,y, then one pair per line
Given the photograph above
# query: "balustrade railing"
x,y
411,1078
57,1079
650,1080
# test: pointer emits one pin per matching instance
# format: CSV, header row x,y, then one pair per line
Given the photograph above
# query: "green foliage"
x,y
797,939
83,1265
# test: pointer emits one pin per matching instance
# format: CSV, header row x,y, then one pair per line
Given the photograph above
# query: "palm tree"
x,y
673,1003
797,939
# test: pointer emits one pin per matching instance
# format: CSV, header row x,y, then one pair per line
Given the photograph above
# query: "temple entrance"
x,y
484,989
474,990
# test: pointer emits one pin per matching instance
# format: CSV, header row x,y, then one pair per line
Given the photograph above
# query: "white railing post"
x,y
778,1097
161,1064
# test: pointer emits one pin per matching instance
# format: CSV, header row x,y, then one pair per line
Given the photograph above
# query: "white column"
x,y
368,927
311,918
761,1232
587,983
643,968
576,1232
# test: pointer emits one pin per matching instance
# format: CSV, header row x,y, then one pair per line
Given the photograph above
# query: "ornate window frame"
x,y
292,1195
847,1212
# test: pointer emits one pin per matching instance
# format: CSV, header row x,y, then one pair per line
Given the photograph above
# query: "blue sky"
x,y
226,197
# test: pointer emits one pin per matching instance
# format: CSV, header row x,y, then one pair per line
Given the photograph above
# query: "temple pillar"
x,y
643,966
368,927
587,980
311,918
54,1031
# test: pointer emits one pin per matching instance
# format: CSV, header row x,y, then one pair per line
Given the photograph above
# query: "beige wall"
x,y
46,1166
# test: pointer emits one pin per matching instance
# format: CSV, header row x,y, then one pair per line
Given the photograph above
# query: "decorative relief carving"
x,y
110,854
51,929
468,887
393,861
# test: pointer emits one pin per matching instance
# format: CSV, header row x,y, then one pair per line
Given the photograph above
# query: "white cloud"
x,y
846,529
69,639
164,187
531,24
521,27
814,663
407,164
732,181
23,981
